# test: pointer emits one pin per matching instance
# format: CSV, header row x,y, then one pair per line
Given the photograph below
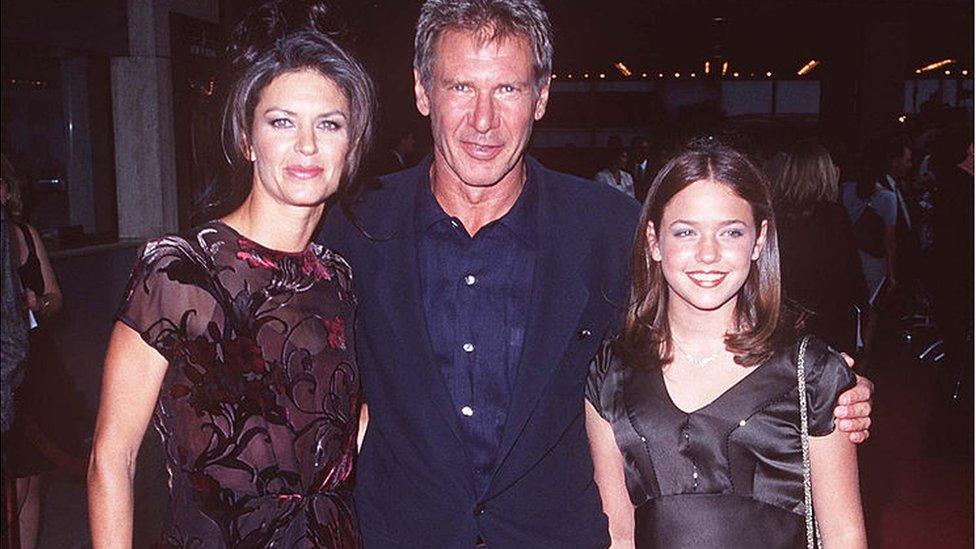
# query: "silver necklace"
x,y
699,362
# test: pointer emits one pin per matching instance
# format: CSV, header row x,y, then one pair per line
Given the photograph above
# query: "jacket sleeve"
x,y
13,332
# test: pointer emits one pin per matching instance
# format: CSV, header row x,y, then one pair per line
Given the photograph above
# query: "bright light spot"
x,y
902,118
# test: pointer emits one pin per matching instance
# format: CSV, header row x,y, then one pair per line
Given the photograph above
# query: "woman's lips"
x,y
481,151
707,279
304,172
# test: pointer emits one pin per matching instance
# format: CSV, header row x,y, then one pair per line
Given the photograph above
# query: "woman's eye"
x,y
281,123
330,125
735,233
683,232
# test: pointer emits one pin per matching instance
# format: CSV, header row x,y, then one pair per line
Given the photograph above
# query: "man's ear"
x,y
652,242
420,93
542,101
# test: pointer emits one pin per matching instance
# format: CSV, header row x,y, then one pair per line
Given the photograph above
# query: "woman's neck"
x,y
287,229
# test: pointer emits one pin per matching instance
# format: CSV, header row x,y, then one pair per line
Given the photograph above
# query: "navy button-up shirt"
x,y
476,301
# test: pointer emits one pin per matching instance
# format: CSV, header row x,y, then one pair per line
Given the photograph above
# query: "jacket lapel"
x,y
558,298
401,300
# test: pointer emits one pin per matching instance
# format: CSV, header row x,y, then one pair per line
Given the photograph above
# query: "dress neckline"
x,y
262,247
715,402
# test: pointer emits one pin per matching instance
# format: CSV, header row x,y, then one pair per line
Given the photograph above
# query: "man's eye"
x,y
460,87
507,89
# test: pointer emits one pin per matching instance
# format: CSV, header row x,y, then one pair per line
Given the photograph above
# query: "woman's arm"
x,y
608,471
49,304
130,385
836,494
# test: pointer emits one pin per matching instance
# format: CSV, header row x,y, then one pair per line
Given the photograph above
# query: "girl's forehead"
x,y
706,199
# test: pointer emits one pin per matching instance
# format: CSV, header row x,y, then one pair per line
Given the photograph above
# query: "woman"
x,y
242,328
693,411
821,272
35,442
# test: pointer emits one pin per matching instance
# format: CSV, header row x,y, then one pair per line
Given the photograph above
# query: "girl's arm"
x,y
608,471
836,494
130,385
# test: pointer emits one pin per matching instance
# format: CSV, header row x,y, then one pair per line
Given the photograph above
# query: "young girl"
x,y
693,411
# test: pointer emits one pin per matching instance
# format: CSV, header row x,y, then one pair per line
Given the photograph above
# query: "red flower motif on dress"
x,y
252,254
336,327
244,353
311,265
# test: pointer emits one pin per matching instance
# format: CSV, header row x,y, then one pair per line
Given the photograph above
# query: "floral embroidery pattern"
x,y
259,408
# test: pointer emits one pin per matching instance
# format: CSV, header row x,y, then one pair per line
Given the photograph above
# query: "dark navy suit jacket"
x,y
415,485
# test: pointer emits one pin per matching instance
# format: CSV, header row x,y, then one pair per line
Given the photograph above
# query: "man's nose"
x,y
483,117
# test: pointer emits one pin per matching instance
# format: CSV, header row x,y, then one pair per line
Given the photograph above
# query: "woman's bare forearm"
x,y
110,499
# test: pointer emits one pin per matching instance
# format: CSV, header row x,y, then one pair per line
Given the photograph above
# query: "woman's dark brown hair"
x,y
279,37
646,336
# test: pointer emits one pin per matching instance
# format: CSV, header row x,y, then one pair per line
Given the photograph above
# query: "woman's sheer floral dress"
x,y
259,408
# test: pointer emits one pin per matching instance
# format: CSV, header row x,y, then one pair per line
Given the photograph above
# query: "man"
x,y
640,166
485,284
398,157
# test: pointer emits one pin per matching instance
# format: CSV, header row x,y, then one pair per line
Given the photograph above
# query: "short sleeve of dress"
x,y
155,303
596,390
827,376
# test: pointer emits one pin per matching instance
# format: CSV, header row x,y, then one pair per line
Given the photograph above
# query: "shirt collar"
x,y
521,219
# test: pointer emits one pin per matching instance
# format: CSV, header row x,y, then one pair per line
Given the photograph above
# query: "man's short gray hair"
x,y
496,19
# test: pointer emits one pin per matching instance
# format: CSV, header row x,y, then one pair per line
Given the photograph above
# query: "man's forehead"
x,y
486,43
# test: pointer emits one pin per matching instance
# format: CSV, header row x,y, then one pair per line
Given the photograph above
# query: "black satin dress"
x,y
728,475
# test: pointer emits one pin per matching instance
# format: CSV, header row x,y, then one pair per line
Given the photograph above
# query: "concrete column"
x,y
145,168
142,111
78,168
142,105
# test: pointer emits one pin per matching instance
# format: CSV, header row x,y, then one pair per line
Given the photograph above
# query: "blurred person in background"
x,y
951,274
820,267
37,440
13,351
615,175
640,166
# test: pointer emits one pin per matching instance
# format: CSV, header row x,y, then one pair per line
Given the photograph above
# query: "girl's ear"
x,y
652,242
760,240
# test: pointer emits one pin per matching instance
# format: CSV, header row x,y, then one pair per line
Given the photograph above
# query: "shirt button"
x,y
468,347
470,280
479,509
742,423
467,411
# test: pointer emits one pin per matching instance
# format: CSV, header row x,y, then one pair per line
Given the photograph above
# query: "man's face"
x,y
642,150
902,165
482,104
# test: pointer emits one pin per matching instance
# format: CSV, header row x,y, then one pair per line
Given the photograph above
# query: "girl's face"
x,y
706,244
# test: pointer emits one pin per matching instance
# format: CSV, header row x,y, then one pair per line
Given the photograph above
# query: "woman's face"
x,y
299,139
706,244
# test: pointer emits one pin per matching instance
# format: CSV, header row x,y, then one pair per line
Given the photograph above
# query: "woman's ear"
x,y
760,240
652,242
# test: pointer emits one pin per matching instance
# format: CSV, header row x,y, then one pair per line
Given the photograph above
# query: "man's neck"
x,y
475,206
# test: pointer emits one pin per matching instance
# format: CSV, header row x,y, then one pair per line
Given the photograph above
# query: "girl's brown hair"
x,y
646,336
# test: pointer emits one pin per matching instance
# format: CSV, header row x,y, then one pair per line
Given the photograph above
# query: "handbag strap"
x,y
813,533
